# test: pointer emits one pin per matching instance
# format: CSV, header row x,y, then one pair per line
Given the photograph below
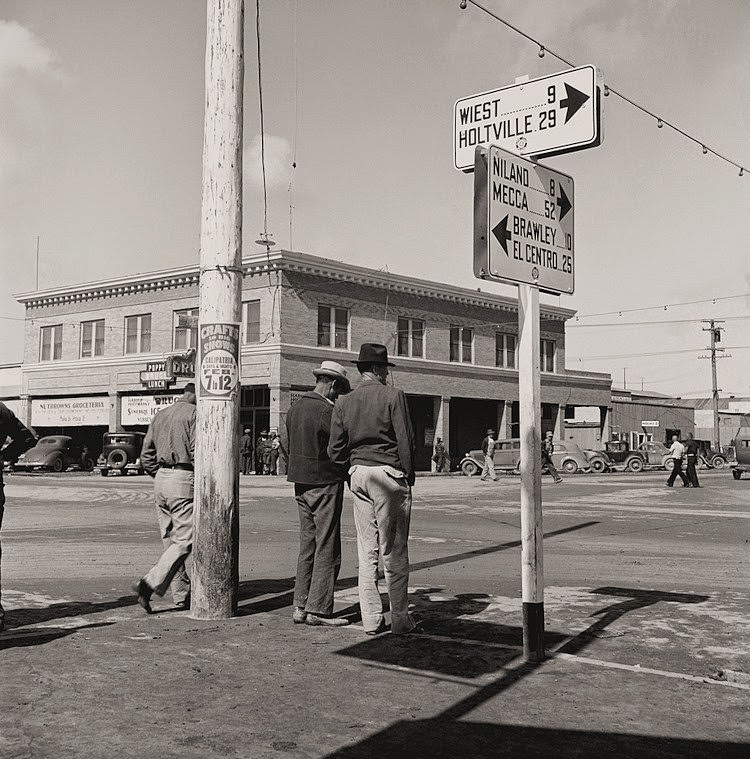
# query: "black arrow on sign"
x,y
573,102
563,203
501,233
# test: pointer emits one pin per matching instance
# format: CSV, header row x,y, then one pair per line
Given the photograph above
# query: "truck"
x,y
742,449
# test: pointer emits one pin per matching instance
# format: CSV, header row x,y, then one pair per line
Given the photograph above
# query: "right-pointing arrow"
x,y
573,102
501,233
564,204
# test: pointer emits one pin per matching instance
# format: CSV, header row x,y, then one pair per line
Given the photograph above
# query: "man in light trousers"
x,y
167,456
371,429
488,449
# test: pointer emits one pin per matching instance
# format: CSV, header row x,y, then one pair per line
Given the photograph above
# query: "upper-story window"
x,y
51,343
547,355
138,333
462,344
185,324
505,350
410,338
92,338
251,321
333,327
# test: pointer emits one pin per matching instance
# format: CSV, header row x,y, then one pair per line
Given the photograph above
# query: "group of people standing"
x,y
263,457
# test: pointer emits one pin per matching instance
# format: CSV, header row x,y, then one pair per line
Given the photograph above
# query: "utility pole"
x,y
715,332
216,519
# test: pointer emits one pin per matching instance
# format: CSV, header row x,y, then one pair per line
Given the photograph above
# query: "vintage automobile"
x,y
711,457
657,455
622,458
599,461
567,457
121,453
56,453
742,449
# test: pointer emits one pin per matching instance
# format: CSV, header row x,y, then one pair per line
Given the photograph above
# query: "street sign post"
x,y
548,116
523,222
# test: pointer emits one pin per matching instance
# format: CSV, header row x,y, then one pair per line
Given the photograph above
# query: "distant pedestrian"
x,y
260,449
167,456
274,443
488,449
691,454
677,452
267,453
548,448
21,439
371,430
319,492
440,457
246,451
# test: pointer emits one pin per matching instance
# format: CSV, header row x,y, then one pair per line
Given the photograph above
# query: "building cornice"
x,y
278,261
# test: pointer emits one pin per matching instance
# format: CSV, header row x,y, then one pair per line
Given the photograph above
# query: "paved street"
x,y
646,611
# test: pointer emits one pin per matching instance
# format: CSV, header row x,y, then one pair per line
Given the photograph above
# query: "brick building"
x,y
455,349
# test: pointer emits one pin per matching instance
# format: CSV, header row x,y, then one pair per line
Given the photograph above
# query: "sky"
x,y
101,128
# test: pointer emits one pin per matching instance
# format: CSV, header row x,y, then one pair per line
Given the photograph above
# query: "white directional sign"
x,y
540,117
523,217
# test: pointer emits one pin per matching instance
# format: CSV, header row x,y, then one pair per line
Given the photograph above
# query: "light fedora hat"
x,y
335,370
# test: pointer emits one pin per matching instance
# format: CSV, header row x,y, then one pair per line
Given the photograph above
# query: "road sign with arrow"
x,y
554,114
523,222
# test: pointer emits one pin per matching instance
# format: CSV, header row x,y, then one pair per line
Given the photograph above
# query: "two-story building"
x,y
88,347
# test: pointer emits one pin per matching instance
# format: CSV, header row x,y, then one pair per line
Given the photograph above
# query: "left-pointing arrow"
x,y
573,102
501,233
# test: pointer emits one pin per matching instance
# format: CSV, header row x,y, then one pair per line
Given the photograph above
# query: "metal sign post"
x,y
216,520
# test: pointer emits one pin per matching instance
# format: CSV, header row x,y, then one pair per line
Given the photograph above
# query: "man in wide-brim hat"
x,y
371,432
488,449
319,492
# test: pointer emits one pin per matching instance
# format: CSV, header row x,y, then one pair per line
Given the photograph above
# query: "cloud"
x,y
278,160
22,52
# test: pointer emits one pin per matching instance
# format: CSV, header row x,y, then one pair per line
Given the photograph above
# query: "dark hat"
x,y
490,432
373,353
189,388
335,370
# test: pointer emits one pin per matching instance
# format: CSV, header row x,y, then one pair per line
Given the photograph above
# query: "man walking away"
x,y
488,449
246,450
319,492
440,457
167,456
691,454
677,451
371,430
548,448
21,439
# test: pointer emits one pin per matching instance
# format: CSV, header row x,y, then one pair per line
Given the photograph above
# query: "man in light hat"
x,y
371,430
319,492
488,449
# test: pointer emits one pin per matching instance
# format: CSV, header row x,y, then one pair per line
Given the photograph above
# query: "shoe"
x,y
381,628
416,630
668,485
299,615
144,592
185,603
315,620
557,482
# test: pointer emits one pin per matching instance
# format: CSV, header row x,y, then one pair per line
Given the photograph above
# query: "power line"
x,y
660,121
650,323
621,311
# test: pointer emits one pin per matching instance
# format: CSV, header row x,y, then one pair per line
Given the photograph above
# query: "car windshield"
x,y
49,441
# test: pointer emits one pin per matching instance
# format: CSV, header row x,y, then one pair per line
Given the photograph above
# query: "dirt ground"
x,y
646,611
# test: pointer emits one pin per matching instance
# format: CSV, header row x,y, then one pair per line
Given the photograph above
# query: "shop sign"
x,y
650,423
141,409
219,360
62,412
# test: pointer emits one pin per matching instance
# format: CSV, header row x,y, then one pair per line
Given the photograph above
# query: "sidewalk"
x,y
631,678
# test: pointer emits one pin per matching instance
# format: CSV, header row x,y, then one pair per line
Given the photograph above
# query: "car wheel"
x,y
598,466
669,465
469,468
57,464
717,462
570,466
635,465
117,459
87,464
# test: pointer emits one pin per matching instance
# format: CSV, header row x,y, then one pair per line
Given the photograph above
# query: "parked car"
x,y
599,461
568,457
711,457
56,453
657,455
622,458
121,452
742,450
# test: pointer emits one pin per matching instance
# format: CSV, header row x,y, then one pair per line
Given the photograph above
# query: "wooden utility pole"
x,y
530,403
715,338
216,539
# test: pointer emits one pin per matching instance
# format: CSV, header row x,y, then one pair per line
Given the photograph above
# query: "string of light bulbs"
x,y
660,120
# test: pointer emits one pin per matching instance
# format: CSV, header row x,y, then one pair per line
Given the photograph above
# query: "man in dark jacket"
x,y
21,439
319,492
246,451
691,454
371,430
